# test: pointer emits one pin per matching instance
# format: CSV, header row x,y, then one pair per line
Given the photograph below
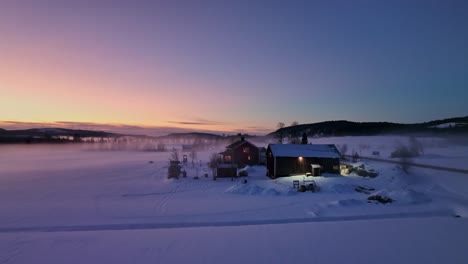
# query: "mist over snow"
x,y
74,203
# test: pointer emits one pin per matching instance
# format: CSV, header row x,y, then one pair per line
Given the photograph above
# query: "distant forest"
x,y
451,127
454,126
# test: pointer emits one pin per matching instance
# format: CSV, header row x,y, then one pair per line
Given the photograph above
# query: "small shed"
x,y
315,169
226,170
294,159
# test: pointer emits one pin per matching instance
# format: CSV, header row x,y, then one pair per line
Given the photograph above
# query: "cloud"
x,y
202,122
113,128
135,129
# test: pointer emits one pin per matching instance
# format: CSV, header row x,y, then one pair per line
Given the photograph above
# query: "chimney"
x,y
242,138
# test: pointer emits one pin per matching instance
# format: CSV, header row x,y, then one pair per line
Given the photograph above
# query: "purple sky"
x,y
232,65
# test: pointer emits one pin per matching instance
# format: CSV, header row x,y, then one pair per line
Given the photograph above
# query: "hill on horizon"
x,y
456,125
449,126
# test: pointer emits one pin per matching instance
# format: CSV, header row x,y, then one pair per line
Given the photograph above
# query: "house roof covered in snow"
x,y
306,151
239,143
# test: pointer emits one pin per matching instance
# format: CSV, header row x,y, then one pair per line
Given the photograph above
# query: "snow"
x,y
63,204
437,151
307,151
447,125
419,240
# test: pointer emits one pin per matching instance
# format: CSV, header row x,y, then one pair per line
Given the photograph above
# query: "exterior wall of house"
x,y
227,158
286,166
245,154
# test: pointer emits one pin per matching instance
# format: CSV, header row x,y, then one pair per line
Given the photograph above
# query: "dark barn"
x,y
294,159
241,152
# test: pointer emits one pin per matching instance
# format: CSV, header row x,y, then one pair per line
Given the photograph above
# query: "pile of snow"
x,y
248,169
403,196
338,188
347,203
254,189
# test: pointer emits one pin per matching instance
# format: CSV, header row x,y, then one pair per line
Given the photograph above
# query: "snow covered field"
x,y
63,204
437,151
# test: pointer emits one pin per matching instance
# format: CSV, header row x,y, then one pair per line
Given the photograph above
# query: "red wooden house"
x,y
241,152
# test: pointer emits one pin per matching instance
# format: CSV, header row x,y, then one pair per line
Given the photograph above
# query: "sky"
x,y
230,66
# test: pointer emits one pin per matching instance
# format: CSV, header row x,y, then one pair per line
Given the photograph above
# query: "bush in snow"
x,y
414,149
405,164
416,146
343,149
243,173
355,157
380,199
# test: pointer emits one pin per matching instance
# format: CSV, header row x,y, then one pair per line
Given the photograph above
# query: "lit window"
x,y
246,150
227,158
248,157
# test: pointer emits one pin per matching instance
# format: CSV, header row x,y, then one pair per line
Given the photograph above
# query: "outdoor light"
x,y
300,158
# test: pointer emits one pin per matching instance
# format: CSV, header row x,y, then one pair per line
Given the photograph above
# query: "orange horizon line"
x,y
67,124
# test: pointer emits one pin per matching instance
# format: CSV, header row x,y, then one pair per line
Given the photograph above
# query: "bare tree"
x,y
355,157
213,163
174,155
279,134
403,151
416,146
293,138
193,156
343,149
160,147
293,133
405,164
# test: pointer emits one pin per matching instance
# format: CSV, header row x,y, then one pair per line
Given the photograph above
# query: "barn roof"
x,y
306,151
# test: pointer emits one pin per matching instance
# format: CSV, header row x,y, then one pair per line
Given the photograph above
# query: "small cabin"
x,y
296,159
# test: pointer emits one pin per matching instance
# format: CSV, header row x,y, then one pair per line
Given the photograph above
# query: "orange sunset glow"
x,y
160,65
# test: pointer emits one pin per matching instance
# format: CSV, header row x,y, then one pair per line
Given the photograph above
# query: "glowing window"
x,y
246,149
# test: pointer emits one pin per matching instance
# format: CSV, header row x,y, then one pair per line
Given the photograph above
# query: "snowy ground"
x,y
60,204
437,151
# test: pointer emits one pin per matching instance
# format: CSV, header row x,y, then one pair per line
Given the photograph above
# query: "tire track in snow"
x,y
149,226
15,250
161,202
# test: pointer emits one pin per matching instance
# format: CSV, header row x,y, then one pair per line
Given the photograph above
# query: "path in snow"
x,y
144,226
426,166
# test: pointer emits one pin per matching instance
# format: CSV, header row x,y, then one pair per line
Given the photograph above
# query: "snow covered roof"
x,y
306,151
239,143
